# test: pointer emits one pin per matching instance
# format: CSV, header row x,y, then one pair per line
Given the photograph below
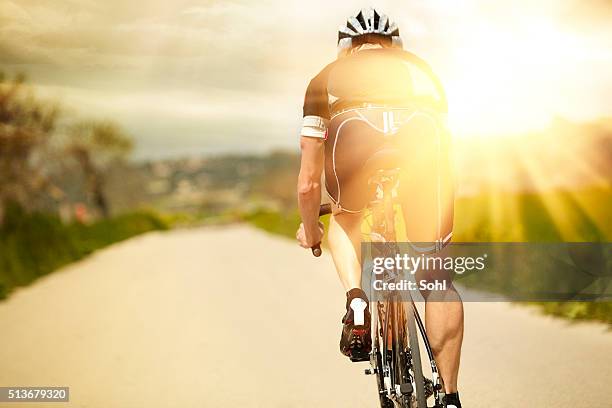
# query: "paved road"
x,y
234,317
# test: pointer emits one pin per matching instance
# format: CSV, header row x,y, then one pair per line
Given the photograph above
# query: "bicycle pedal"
x,y
406,388
359,357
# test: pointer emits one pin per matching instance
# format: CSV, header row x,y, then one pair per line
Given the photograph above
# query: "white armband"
x,y
314,126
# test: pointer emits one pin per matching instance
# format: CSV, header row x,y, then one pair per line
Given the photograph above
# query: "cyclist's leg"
x,y
351,141
344,239
444,322
426,193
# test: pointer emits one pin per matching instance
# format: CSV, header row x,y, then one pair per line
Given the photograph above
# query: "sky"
x,y
191,77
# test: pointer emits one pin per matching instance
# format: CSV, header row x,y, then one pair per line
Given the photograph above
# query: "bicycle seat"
x,y
384,159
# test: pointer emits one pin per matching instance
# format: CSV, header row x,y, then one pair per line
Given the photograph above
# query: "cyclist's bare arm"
x,y
309,189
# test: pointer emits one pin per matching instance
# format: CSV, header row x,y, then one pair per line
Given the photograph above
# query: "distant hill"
x,y
566,156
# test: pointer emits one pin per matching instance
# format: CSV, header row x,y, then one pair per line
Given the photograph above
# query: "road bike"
x,y
397,326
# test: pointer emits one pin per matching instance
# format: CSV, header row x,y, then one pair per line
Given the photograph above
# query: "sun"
x,y
507,79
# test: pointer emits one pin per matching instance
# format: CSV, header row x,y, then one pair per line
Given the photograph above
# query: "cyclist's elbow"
x,y
307,187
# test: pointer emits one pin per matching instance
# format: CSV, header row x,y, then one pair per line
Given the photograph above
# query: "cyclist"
x,y
358,105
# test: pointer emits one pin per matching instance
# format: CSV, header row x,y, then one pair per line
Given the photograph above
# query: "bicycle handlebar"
x,y
324,209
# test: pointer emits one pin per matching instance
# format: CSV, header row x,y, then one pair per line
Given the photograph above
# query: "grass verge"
x,y
33,245
582,216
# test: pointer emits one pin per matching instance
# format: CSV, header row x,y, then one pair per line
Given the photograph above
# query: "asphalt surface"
x,y
234,317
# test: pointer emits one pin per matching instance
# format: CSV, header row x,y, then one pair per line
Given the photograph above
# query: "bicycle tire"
x,y
400,352
384,401
417,368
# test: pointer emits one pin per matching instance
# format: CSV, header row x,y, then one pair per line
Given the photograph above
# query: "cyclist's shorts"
x,y
363,140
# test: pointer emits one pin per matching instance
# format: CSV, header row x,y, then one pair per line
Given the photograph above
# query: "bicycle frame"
x,y
397,364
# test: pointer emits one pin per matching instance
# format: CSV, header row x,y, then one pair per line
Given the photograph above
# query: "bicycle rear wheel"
x,y
401,358
397,356
378,351
417,368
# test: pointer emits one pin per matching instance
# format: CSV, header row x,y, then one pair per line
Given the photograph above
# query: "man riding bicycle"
x,y
364,102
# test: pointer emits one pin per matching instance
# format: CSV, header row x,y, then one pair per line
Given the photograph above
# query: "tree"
x,y
97,145
26,125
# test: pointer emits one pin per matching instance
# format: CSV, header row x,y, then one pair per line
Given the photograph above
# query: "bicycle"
x,y
395,358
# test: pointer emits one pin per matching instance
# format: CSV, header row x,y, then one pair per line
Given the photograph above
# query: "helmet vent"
x,y
361,20
376,20
368,25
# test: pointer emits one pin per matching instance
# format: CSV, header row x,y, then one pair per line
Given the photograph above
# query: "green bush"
x,y
32,245
282,223
601,311
275,222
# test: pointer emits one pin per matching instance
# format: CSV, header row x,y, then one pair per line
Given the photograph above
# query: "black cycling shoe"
x,y
356,341
452,400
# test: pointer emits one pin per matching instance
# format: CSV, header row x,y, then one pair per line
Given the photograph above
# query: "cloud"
x,y
154,64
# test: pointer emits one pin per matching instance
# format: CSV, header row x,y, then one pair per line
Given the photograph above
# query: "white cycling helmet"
x,y
367,26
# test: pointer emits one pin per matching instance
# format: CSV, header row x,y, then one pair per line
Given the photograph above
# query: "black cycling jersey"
x,y
384,76
384,108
